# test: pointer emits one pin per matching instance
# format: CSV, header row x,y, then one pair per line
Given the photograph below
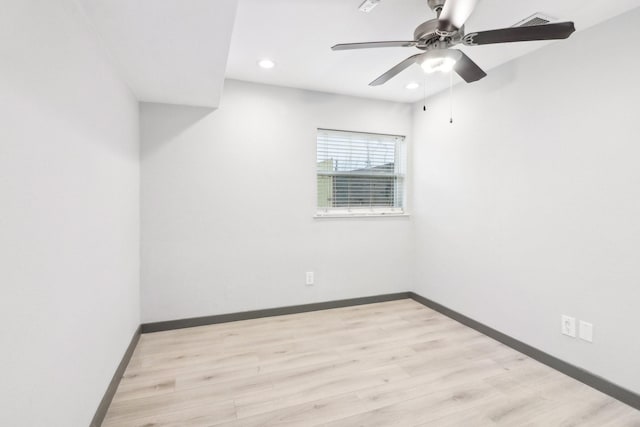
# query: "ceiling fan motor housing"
x,y
428,38
426,32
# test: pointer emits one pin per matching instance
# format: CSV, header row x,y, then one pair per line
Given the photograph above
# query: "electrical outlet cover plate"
x,y
586,331
568,326
310,278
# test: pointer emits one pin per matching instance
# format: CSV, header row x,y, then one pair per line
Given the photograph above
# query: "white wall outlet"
x,y
586,331
569,326
310,278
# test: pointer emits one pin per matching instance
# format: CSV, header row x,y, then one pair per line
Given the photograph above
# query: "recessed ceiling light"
x,y
266,63
413,85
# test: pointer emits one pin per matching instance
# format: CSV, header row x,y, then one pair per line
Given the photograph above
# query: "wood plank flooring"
x,y
388,364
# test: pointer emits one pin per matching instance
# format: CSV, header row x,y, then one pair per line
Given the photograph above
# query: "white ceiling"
x,y
171,51
180,51
298,34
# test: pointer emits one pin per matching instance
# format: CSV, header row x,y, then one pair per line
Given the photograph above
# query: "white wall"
x,y
528,206
228,199
69,194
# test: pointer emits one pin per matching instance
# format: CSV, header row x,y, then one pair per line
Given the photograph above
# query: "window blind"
x,y
359,172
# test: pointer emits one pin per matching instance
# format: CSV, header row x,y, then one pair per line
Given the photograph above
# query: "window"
x,y
359,173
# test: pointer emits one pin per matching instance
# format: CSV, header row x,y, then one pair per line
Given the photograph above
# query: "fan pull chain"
x,y
424,93
451,97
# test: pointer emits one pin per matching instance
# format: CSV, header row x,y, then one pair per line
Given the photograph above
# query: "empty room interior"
x,y
319,213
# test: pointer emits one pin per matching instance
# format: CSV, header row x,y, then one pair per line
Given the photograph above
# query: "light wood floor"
x,y
389,364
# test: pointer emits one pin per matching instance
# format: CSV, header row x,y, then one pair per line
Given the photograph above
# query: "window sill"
x,y
360,215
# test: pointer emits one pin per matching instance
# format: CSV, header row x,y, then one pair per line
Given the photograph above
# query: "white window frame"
x,y
399,174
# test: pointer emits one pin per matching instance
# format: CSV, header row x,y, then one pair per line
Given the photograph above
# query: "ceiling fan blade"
x,y
467,69
454,14
395,70
349,46
560,30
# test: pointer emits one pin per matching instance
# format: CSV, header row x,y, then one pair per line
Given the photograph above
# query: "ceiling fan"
x,y
436,38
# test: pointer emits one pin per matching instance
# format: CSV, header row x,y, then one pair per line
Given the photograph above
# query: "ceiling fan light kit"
x,y
441,64
437,37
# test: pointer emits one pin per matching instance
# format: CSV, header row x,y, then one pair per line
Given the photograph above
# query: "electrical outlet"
x,y
586,331
568,326
310,278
